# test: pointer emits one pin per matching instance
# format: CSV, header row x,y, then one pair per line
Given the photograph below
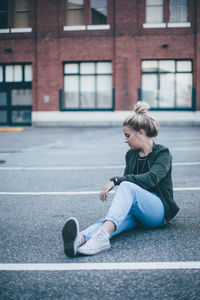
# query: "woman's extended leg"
x,y
145,207
131,204
128,223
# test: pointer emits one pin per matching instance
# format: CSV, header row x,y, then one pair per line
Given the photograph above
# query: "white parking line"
x,y
194,163
102,266
66,168
179,189
60,168
196,188
29,152
53,193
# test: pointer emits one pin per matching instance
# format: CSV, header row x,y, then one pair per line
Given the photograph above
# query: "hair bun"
x,y
141,108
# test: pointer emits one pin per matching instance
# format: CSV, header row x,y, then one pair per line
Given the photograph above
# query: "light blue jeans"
x,y
131,206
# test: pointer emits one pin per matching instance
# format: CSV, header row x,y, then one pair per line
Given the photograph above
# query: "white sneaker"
x,y
100,241
71,238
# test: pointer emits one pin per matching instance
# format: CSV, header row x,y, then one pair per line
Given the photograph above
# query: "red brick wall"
x,y
126,44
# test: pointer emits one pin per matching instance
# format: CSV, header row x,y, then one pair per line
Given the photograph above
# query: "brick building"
x,y
68,55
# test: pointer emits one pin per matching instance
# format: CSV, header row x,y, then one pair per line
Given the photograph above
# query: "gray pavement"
x,y
59,160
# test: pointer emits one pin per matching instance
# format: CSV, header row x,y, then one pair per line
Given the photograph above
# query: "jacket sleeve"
x,y
158,170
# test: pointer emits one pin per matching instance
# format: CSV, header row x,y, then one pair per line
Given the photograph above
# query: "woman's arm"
x,y
107,187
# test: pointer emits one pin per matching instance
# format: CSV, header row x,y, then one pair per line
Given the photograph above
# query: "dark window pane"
x,y
74,17
3,20
21,116
3,99
75,14
21,4
98,12
21,14
21,19
4,5
3,116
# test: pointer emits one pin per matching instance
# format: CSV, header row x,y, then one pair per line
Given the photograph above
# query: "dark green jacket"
x,y
158,179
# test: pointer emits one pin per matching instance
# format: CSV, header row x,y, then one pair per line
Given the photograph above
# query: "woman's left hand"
x,y
104,193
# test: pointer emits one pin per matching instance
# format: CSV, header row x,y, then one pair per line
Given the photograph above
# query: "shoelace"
x,y
99,234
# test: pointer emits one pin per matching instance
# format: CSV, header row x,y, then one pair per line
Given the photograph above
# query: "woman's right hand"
x,y
104,192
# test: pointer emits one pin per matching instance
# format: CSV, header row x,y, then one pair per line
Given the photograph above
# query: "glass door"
x,y
4,108
21,106
15,94
15,107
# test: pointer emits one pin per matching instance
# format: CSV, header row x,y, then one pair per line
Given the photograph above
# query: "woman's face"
x,y
133,138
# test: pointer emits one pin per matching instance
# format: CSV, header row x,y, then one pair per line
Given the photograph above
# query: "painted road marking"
x,y
102,266
83,167
11,129
75,152
81,192
59,168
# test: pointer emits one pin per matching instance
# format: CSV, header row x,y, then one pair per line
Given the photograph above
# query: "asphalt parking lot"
x,y
50,174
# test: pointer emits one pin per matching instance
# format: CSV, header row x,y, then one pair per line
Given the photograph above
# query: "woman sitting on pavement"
x,y
144,196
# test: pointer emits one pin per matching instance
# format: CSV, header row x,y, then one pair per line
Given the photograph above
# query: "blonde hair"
x,y
141,120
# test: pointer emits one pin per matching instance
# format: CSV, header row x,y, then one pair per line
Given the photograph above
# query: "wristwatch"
x,y
115,180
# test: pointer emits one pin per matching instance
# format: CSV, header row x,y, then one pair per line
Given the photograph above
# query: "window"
x,y
3,14
175,12
178,11
86,15
16,93
75,12
16,73
14,16
87,85
154,11
21,13
98,12
167,83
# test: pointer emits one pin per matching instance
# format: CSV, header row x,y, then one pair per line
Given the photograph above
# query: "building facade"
x,y
98,55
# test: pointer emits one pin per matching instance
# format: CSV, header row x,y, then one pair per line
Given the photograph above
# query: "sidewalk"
x,y
94,118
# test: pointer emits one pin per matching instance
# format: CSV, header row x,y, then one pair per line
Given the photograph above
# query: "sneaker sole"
x,y
94,251
69,233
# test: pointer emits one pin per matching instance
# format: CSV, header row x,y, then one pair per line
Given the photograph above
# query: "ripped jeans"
x,y
131,206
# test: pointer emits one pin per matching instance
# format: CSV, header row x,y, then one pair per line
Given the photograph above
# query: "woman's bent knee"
x,y
128,184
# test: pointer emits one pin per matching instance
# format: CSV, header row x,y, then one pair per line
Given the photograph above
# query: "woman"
x,y
144,196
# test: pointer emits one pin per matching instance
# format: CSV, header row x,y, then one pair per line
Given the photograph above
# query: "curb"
x,y
11,129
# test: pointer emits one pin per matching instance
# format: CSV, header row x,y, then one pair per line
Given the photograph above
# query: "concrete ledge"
x,y
103,119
